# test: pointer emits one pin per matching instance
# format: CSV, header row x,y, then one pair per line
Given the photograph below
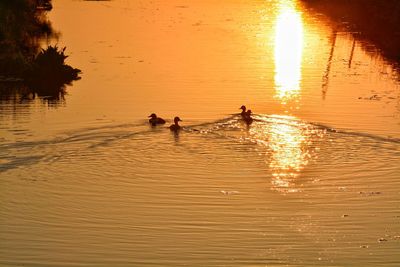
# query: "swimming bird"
x,y
175,127
155,120
247,118
243,108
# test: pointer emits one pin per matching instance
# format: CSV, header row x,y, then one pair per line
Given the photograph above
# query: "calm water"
x,y
314,181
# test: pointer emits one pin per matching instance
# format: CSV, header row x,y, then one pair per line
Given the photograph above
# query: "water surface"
x,y
312,182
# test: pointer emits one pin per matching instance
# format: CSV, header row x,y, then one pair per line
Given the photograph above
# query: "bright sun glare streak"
x,y
288,52
288,141
288,155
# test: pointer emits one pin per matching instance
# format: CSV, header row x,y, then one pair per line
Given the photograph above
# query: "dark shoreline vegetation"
x,y
375,21
26,70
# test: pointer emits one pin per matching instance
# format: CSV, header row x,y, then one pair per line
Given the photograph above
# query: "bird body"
x,y
175,127
243,113
246,114
154,120
247,117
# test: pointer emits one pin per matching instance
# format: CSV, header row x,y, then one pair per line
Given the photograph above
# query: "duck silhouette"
x,y
243,113
175,127
247,118
154,120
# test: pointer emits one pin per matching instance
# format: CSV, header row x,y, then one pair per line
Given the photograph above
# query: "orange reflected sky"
x,y
202,59
150,194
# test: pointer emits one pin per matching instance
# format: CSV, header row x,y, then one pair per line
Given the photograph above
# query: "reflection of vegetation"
x,y
375,20
21,96
34,71
21,25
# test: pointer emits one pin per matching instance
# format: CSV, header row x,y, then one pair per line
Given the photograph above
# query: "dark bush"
x,y
48,72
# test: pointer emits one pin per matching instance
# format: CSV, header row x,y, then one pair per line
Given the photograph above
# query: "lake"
x,y
313,181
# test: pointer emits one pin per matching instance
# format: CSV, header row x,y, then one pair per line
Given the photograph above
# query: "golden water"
x,y
312,182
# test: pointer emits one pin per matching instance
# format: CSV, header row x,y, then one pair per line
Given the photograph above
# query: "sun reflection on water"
x,y
288,53
288,145
291,144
